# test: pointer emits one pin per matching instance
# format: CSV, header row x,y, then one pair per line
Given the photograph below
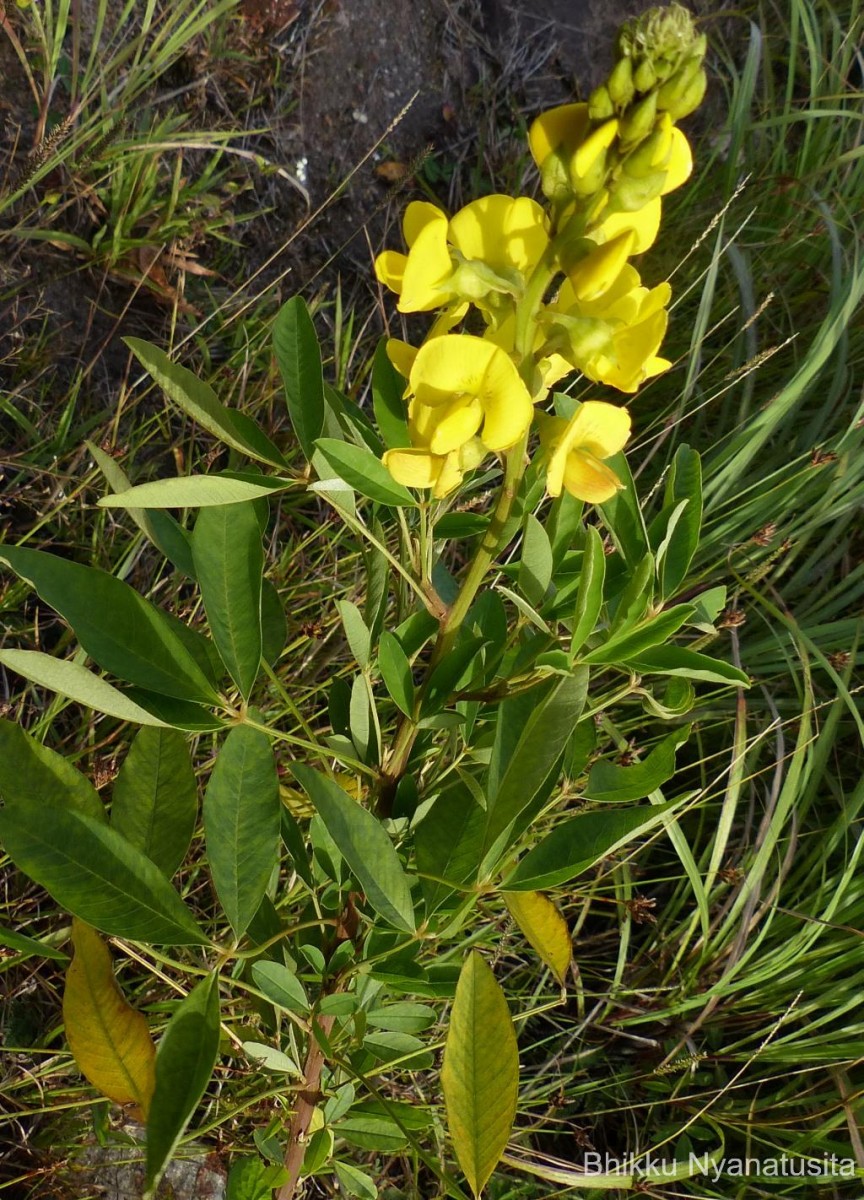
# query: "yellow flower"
x,y
613,339
570,156
483,254
575,450
467,398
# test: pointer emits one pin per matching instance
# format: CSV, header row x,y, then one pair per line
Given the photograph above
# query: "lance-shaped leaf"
x,y
676,660
611,782
540,745
70,679
622,647
396,673
535,567
361,470
364,845
299,360
109,1040
184,1064
589,598
680,520
198,400
391,411
229,564
545,929
575,845
242,820
94,873
31,773
166,533
120,630
155,801
198,491
480,1076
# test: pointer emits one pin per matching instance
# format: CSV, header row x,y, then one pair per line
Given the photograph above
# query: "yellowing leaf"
x,y
109,1040
480,1076
544,927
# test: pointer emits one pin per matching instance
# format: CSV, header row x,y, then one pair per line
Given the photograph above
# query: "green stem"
x,y
489,547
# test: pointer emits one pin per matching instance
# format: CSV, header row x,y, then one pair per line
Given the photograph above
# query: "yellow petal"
x,y
401,355
427,269
503,232
450,365
552,430
680,164
418,215
595,274
413,468
600,428
455,424
390,269
506,402
594,145
644,223
450,476
590,480
559,127
471,454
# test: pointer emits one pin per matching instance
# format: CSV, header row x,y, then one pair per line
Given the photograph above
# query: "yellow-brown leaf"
x,y
109,1040
544,927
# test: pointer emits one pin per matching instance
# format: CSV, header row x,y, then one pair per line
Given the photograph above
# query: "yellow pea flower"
x,y
483,254
467,398
575,450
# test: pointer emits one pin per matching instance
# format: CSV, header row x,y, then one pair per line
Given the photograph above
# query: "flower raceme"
x,y
554,287
466,397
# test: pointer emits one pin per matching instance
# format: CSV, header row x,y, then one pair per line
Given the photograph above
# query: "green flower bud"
x,y
620,83
643,159
639,120
592,180
629,194
645,76
692,97
662,34
671,92
600,106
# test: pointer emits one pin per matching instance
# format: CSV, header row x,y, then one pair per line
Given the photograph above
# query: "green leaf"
x,y
31,773
480,1075
364,845
120,630
545,929
93,872
198,491
589,599
396,673
77,683
269,1058
576,845
28,947
391,411
402,1017
622,647
361,470
675,660
280,986
610,782
155,800
682,514
274,627
250,1178
449,844
166,534
355,1182
299,358
540,746
535,566
356,631
180,714
184,1064
229,564
242,821
623,515
198,400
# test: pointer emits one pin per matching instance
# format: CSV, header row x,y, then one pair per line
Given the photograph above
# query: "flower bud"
x,y
650,154
671,92
645,76
692,97
600,106
629,194
639,120
620,83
